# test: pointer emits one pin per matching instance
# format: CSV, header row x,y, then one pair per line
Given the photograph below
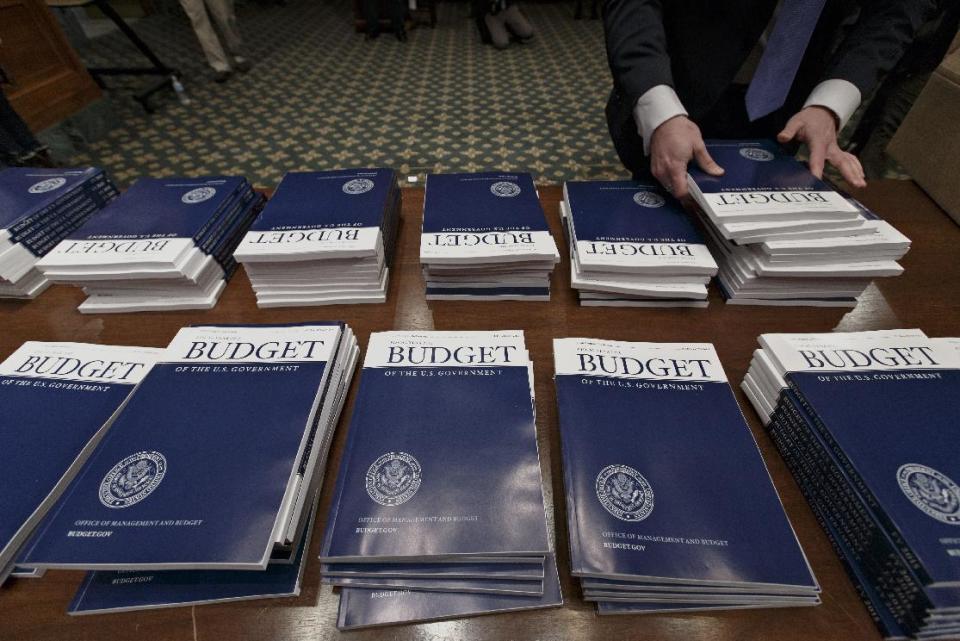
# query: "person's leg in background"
x,y
18,145
497,26
371,15
225,15
518,22
398,12
209,42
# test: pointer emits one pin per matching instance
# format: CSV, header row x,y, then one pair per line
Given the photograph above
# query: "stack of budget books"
x,y
165,244
485,237
633,245
669,503
867,423
38,209
212,468
58,400
324,238
783,236
439,512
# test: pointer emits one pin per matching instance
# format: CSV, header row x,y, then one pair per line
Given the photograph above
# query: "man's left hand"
x,y
817,127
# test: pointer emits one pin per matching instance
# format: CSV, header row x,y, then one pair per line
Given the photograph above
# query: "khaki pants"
x,y
512,17
226,19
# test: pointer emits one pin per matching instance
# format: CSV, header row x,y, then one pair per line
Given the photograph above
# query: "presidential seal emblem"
x,y
756,154
624,493
49,184
132,479
357,186
648,199
198,195
933,492
393,478
505,189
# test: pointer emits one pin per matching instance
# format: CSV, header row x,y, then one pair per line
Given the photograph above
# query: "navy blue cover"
x,y
485,585
613,607
230,441
152,208
318,199
59,214
361,608
459,570
784,435
16,200
42,430
486,292
912,418
707,476
783,172
475,440
606,211
465,203
120,591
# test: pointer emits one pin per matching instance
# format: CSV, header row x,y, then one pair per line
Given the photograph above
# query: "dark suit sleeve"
x,y
877,41
636,46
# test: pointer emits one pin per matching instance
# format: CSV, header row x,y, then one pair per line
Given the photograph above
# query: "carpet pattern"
x,y
322,97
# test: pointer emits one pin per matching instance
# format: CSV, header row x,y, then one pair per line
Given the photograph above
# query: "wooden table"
x,y
926,296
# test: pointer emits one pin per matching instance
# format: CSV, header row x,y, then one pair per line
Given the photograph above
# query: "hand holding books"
x,y
784,237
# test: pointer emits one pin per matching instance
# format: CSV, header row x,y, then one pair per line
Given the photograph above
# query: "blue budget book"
x,y
364,608
493,201
761,178
202,461
873,600
886,406
488,292
28,193
754,164
483,216
516,571
163,208
663,478
481,586
441,459
58,400
343,198
102,592
626,225
330,213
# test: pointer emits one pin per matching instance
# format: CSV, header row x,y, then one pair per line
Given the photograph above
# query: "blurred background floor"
x,y
320,96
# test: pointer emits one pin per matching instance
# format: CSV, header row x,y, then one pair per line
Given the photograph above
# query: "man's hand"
x,y
673,145
817,127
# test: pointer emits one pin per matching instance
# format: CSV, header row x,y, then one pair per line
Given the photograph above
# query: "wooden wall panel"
x,y
48,81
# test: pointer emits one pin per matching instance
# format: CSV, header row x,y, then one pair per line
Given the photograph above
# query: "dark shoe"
x,y
402,35
372,35
243,66
221,77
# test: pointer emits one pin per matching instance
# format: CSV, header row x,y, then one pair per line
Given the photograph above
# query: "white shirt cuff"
x,y
839,96
658,105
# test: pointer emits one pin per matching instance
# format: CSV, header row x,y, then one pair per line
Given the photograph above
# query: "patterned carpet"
x,y
321,97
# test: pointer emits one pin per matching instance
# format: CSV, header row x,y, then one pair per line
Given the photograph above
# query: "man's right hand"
x,y
673,145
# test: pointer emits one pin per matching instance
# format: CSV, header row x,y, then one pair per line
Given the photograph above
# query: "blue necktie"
x,y
781,59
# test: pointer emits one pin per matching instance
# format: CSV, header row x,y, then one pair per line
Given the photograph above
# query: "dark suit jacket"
x,y
697,47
